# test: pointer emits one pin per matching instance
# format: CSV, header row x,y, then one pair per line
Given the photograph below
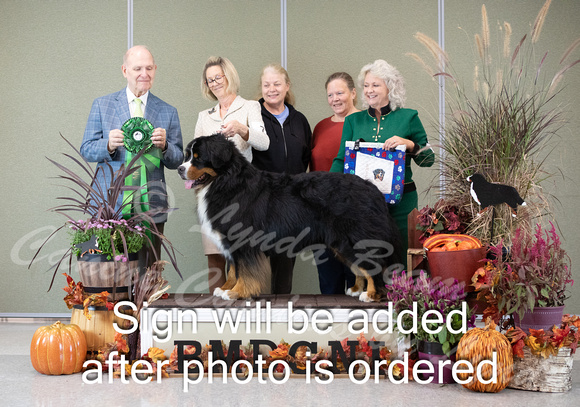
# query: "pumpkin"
x,y
451,242
477,345
58,349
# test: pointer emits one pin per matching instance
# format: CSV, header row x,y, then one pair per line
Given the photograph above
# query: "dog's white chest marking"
x,y
204,220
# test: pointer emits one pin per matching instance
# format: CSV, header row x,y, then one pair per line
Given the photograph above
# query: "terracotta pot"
x,y
433,352
457,265
541,318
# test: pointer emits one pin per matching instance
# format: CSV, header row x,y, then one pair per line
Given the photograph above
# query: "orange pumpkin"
x,y
451,242
58,349
479,344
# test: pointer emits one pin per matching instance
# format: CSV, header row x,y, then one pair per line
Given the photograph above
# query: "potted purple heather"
x,y
531,281
429,295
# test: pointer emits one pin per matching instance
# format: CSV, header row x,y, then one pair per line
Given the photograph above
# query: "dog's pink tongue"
x,y
188,184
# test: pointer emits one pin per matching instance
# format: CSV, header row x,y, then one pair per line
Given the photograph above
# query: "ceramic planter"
x,y
433,352
457,265
541,318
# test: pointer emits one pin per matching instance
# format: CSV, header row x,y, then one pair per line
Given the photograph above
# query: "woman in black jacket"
x,y
289,150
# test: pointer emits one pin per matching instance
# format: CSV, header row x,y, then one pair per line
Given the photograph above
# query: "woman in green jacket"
x,y
387,121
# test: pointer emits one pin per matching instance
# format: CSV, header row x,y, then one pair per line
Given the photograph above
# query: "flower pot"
x,y
457,265
433,352
541,318
99,274
549,375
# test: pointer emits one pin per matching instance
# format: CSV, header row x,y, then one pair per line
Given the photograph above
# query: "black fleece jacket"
x,y
289,149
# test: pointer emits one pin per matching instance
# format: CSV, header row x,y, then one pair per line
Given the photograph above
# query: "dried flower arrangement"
x,y
548,343
504,128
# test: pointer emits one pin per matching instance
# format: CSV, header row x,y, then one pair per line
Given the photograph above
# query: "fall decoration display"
x,y
480,344
551,375
546,343
535,272
502,121
543,359
454,257
451,242
443,217
429,295
112,232
58,349
77,295
99,329
363,351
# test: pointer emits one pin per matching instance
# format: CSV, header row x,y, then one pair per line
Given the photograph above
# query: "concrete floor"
x,y
21,385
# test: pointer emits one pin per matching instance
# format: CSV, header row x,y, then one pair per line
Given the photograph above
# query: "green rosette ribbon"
x,y
138,132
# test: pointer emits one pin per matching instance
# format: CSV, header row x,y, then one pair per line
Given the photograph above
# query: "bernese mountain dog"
x,y
251,214
487,194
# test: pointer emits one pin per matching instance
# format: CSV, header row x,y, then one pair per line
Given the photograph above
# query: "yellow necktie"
x,y
138,112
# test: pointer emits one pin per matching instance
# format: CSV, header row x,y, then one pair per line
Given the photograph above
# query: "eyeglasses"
x,y
218,79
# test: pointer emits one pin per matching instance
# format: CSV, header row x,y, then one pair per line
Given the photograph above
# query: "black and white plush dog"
x,y
487,194
251,214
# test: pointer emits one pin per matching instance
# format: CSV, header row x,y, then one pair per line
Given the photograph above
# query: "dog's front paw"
x,y
230,295
218,292
353,293
364,297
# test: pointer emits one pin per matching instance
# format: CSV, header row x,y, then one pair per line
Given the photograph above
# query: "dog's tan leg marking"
x,y
370,294
250,283
231,281
358,287
229,284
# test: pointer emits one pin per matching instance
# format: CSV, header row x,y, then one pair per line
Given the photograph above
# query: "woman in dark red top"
x,y
341,94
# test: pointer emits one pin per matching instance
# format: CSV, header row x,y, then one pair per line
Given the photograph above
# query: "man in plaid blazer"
x,y
103,138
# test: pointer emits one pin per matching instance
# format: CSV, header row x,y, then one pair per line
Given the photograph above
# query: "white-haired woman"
x,y
240,120
387,121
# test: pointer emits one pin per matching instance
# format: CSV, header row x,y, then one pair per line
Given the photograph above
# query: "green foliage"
x,y
117,236
109,234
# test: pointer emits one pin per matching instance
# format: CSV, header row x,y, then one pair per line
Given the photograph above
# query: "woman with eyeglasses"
x,y
289,150
240,120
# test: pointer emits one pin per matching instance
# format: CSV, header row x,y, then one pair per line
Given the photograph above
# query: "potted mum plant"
x,y
105,240
529,281
430,295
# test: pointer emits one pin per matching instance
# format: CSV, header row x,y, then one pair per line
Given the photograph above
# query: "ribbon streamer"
x,y
138,132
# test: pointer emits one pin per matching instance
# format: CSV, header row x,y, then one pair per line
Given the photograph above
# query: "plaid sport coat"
x,y
110,112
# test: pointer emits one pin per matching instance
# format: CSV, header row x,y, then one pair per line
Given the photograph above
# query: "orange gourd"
x,y
451,242
479,344
58,349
